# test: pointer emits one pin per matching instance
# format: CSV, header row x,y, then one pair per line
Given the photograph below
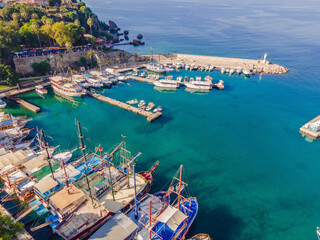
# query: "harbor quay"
x,y
256,66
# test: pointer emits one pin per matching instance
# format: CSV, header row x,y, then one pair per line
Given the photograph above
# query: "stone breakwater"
x,y
256,66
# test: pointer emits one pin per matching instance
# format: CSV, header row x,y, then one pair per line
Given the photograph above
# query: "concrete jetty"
x,y
149,115
306,131
140,79
24,104
257,66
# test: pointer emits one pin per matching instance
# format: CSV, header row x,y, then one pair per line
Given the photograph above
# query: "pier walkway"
x,y
24,104
149,115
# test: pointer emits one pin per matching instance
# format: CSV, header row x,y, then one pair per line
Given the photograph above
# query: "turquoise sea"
x,y
254,175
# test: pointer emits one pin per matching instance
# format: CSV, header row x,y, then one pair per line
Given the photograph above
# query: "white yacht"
x,y
95,82
66,87
167,83
198,84
156,68
106,82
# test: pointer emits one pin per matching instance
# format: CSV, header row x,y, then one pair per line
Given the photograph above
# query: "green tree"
x,y
9,230
41,68
126,58
35,27
83,61
90,55
77,23
68,45
11,78
24,15
34,16
136,57
118,61
60,33
9,39
90,23
15,17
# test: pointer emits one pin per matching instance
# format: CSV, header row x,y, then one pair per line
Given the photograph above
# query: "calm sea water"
x,y
253,174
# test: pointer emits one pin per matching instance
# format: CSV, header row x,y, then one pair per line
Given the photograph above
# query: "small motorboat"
x,y
143,74
157,109
133,101
141,103
223,70
3,104
41,90
219,85
231,71
150,106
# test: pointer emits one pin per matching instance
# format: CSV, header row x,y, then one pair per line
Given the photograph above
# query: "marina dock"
x,y
24,104
149,115
140,79
306,131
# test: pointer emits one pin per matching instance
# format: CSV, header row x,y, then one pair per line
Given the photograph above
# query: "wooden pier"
x,y
305,131
24,104
149,115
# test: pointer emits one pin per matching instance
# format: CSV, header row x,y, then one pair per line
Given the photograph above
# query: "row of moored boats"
x,y
143,106
93,196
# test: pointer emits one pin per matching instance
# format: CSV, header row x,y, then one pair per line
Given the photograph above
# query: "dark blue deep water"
x,y
254,175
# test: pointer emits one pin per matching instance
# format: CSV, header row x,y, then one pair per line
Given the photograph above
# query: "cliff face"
x,y
61,61
113,26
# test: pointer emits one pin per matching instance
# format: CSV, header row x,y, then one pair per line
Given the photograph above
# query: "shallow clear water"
x,y
253,174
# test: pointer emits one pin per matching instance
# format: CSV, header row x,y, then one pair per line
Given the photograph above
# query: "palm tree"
x,y
136,56
15,17
90,23
68,45
99,63
90,56
126,58
24,15
118,61
108,61
35,27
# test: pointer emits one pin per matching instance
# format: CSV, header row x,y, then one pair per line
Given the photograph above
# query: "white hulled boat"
x,y
41,90
66,87
81,81
156,68
102,77
3,104
95,82
167,83
198,84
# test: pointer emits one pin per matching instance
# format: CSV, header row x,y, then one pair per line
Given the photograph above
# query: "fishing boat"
x,y
133,101
41,90
219,85
95,81
150,106
66,88
198,84
156,68
157,109
174,222
3,104
136,217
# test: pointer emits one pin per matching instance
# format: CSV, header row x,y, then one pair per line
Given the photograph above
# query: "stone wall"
x,y
63,61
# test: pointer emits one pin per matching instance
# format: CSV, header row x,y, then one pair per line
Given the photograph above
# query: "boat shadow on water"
x,y
165,90
199,92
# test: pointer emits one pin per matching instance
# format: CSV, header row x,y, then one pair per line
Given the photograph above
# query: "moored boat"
x,y
167,83
150,106
133,101
67,88
198,84
219,85
41,90
3,104
157,109
156,68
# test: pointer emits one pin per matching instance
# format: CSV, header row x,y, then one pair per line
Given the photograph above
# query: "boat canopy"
x,y
117,228
46,184
16,177
35,163
13,159
87,75
59,174
65,198
172,217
